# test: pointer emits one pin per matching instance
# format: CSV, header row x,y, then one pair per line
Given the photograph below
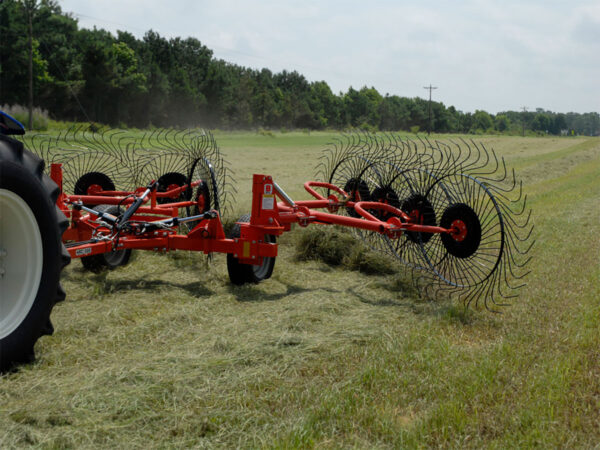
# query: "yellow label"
x,y
246,252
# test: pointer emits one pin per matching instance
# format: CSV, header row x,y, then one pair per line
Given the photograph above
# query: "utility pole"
x,y
524,108
431,88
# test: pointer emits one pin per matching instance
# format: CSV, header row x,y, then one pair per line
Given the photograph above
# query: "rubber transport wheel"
x,y
32,254
247,273
167,182
106,261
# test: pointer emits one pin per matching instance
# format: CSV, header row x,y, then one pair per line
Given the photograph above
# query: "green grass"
x,y
166,353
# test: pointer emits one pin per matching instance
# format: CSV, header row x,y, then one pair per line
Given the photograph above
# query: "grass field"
x,y
166,353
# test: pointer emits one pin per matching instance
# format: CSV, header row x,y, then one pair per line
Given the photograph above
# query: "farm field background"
x,y
165,352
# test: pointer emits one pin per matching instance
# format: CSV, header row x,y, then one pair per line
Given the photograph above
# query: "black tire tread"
x,y
13,152
239,273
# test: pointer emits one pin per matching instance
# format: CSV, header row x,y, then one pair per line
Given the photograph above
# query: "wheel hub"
x,y
21,261
465,235
459,232
420,210
358,191
94,189
387,196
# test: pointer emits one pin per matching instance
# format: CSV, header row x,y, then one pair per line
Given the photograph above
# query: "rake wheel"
x,y
92,182
461,185
129,161
419,208
170,181
468,258
466,241
358,191
387,195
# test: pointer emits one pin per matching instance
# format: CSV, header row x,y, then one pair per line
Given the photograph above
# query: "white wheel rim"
x,y
21,261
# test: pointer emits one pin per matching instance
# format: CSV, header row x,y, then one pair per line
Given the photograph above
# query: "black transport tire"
x,y
107,261
32,252
247,273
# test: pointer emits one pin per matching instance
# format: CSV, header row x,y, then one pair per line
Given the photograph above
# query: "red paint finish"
x,y
459,230
268,217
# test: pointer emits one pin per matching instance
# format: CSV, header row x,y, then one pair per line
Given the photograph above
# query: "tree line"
x,y
93,75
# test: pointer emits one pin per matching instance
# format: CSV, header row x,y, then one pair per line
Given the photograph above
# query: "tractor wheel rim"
x,y
21,261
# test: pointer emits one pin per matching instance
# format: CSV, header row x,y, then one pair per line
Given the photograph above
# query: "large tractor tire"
x,y
32,254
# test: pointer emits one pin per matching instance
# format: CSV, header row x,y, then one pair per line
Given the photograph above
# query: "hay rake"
x,y
109,161
461,187
437,207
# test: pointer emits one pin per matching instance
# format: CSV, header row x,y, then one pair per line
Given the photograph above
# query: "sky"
x,y
480,54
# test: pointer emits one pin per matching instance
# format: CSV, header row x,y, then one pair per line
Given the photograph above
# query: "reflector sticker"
x,y
246,250
83,251
268,201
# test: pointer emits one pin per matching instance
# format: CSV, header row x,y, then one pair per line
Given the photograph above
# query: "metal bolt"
x,y
235,255
253,257
254,242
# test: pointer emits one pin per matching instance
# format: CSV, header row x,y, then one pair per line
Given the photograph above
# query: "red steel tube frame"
x,y
268,217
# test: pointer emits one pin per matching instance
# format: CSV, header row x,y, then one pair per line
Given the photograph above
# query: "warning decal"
x,y
268,202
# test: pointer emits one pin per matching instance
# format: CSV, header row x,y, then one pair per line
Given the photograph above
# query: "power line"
x,y
431,88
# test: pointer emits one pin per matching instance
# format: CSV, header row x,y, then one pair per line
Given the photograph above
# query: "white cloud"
x,y
482,54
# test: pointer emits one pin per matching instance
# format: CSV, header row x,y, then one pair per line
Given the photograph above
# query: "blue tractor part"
x,y
10,125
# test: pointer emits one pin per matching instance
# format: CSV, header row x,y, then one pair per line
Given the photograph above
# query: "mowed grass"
x,y
166,353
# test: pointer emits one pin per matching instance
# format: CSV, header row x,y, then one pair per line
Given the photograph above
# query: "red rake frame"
x,y
87,236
